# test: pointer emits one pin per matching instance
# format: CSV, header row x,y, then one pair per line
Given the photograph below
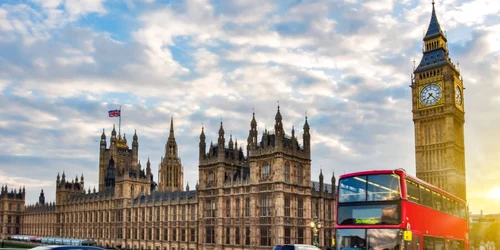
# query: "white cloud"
x,y
347,64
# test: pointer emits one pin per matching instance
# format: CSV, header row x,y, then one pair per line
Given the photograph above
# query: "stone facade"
x,y
241,202
11,211
438,115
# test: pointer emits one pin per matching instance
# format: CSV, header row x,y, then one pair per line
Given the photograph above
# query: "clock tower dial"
x,y
458,96
430,94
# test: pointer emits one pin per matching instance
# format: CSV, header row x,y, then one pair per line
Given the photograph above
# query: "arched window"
x,y
287,171
265,170
299,173
211,178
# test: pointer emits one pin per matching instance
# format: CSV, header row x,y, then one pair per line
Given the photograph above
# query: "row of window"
x,y
132,215
18,207
11,219
436,243
422,194
10,230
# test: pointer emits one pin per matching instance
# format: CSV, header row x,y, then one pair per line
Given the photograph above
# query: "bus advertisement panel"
x,y
388,209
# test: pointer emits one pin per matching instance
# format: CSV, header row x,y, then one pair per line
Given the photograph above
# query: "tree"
x,y
492,233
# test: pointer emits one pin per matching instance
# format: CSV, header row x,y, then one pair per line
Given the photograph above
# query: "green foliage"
x,y
14,244
492,233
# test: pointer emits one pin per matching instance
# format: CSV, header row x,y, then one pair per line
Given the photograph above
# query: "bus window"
x,y
426,196
437,201
352,189
449,244
458,245
412,191
462,210
428,243
449,205
383,187
438,243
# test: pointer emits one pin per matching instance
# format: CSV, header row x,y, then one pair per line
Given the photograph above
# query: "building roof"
x,y
315,186
166,196
434,28
434,58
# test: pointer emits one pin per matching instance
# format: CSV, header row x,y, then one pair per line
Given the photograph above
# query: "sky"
x,y
346,64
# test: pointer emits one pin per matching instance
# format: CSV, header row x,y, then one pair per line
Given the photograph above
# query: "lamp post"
x,y
315,226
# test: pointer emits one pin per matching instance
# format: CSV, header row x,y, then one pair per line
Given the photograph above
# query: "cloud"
x,y
64,64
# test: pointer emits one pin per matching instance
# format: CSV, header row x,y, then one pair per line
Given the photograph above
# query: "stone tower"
x,y
438,115
170,173
124,158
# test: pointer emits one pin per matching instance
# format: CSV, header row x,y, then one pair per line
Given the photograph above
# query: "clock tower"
x,y
438,115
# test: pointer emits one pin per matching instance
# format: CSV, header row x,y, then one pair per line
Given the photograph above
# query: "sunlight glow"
x,y
494,193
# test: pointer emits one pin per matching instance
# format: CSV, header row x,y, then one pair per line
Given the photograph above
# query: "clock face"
x,y
458,96
430,94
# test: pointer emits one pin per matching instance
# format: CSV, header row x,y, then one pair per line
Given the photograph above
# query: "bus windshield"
x,y
373,214
368,239
379,187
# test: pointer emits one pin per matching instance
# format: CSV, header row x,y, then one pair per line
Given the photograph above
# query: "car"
x,y
65,247
295,247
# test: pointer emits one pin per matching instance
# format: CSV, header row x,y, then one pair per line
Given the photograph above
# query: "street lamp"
x,y
315,226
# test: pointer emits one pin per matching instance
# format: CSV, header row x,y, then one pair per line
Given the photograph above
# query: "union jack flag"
x,y
114,113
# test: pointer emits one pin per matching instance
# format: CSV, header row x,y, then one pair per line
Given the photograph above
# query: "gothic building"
x,y
438,115
265,198
242,201
11,210
170,172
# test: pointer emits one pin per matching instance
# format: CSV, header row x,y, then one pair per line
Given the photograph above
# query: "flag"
x,y
114,113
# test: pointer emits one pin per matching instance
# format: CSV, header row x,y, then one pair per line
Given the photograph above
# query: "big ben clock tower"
x,y
438,115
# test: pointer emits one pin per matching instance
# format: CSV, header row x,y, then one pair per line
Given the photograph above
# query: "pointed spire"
x,y
135,135
230,141
306,125
278,117
103,135
221,130
434,28
171,135
253,123
202,135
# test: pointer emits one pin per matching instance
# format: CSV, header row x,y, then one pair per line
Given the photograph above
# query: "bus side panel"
x,y
428,221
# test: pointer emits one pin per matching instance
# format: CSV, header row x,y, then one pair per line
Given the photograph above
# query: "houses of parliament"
x,y
244,200
251,199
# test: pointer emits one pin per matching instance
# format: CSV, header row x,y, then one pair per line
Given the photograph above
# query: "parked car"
x,y
55,247
295,247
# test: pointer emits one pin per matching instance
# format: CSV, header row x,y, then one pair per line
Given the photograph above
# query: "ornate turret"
x,y
170,173
306,138
334,184
202,145
279,133
221,142
321,184
252,135
41,198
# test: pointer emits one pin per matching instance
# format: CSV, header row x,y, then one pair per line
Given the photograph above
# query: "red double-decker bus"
x,y
390,210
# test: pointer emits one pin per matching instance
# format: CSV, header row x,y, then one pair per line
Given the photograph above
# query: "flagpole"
x,y
120,120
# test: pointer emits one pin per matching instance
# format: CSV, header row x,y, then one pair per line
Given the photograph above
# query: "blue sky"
x,y
65,63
